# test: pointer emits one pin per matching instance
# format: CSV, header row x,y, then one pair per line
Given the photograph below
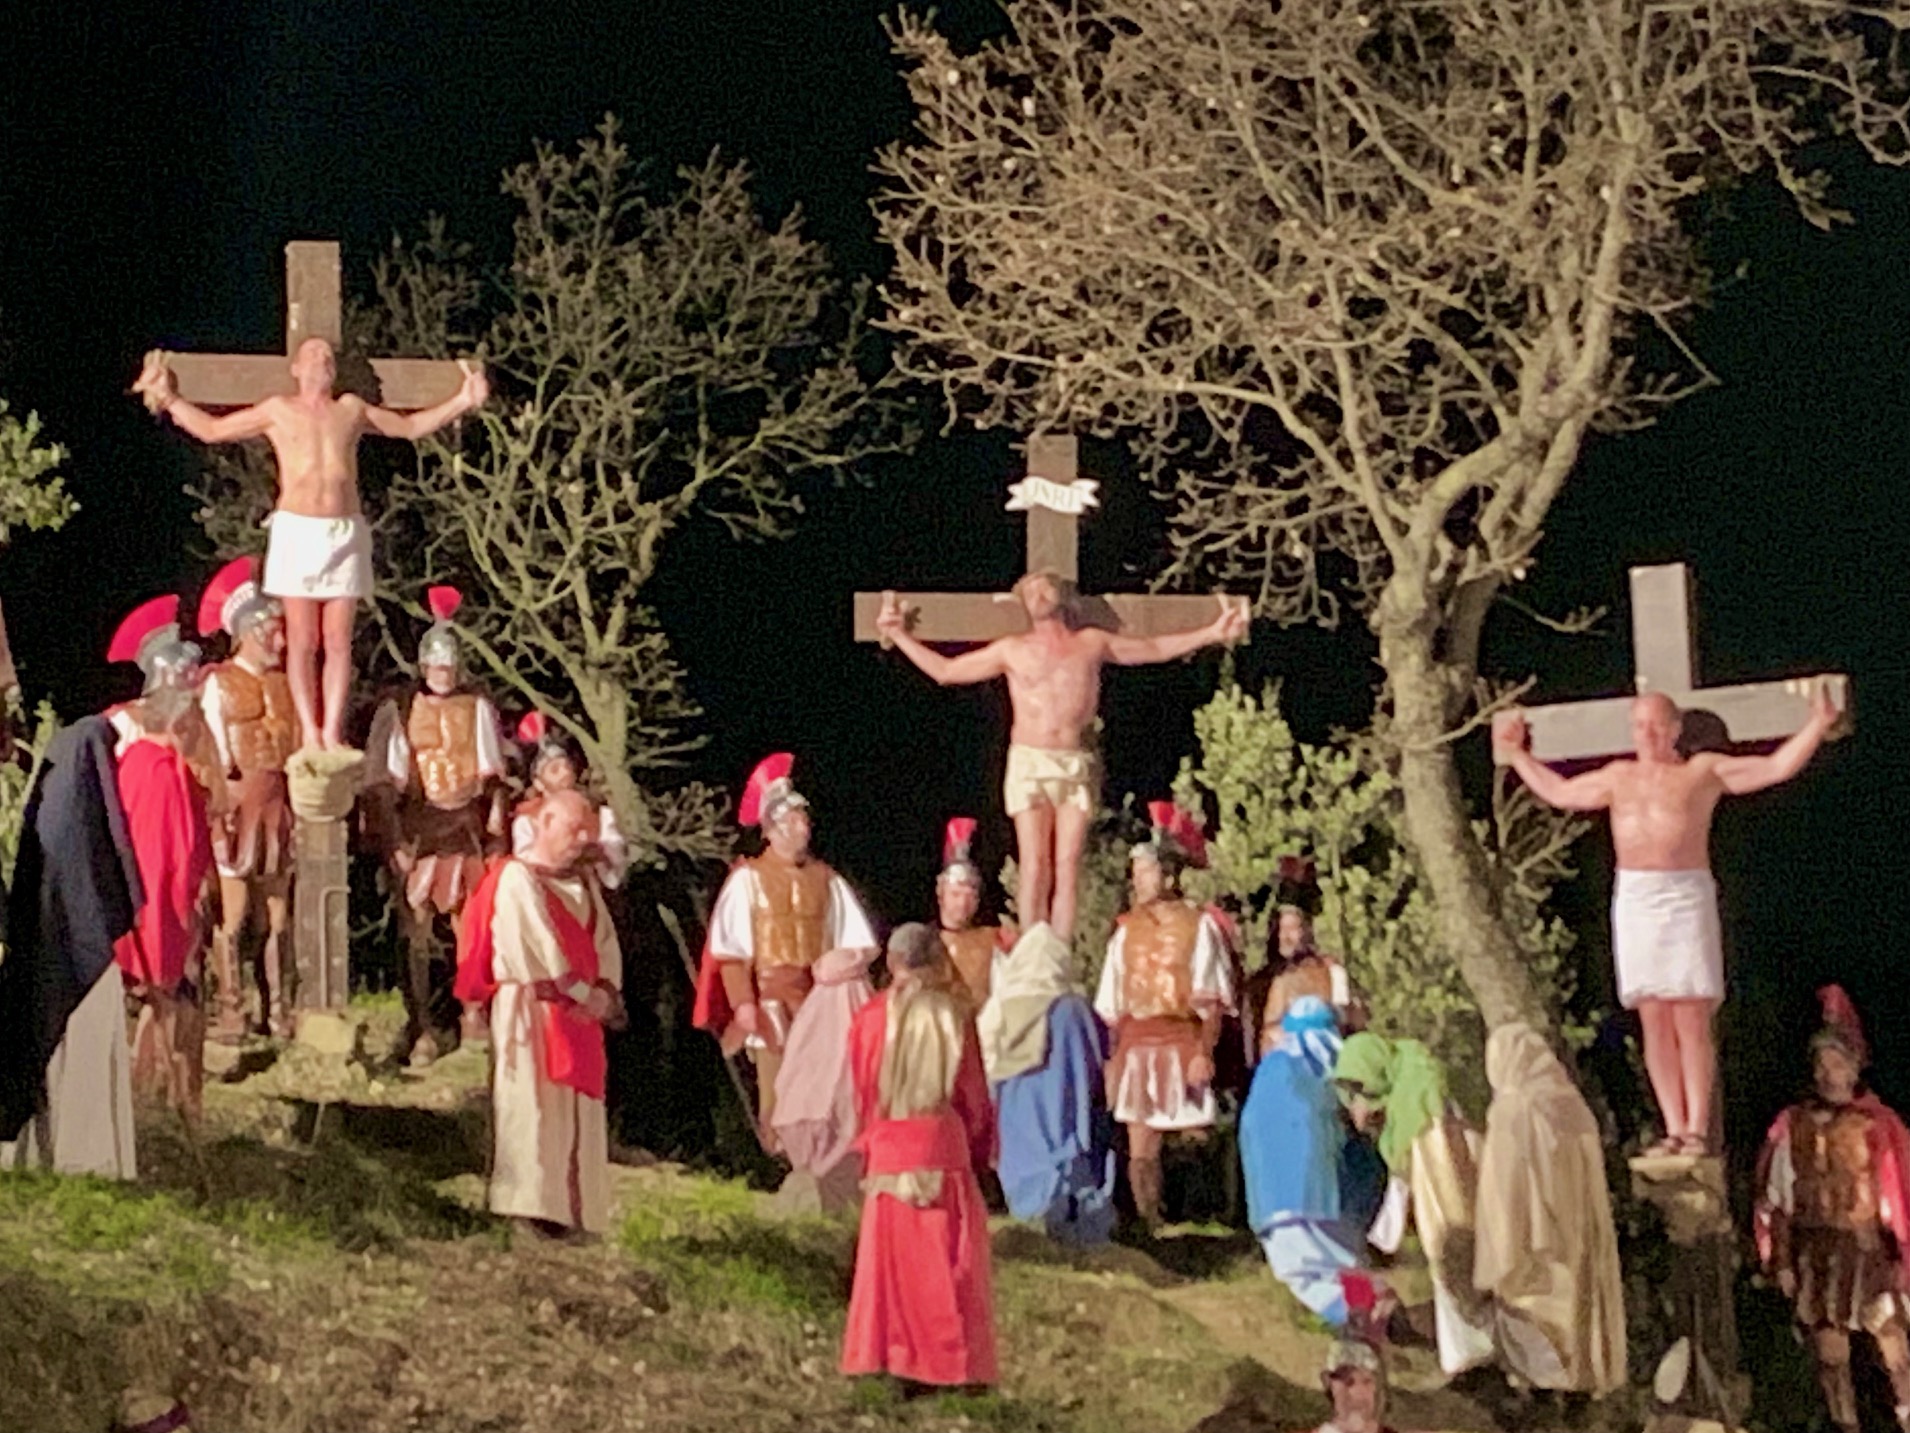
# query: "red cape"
x,y
166,819
574,1053
712,1011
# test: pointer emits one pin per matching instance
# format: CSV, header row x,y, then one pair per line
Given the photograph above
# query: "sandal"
x,y
1694,1145
1671,1144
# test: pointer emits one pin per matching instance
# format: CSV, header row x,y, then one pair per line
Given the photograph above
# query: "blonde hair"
x,y
926,1027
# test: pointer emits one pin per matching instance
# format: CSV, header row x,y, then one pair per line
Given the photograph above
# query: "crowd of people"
x,y
151,902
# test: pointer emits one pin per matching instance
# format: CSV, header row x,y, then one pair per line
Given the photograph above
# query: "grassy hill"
x,y
317,1260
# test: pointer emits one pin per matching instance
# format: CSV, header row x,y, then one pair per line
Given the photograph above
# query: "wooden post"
x,y
1054,537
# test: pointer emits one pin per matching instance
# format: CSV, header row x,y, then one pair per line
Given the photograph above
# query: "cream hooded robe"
x,y
1546,1255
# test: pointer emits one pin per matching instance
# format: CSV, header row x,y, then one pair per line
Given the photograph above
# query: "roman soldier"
x,y
1297,966
167,779
1166,989
557,764
248,708
442,755
1833,1214
779,920
958,892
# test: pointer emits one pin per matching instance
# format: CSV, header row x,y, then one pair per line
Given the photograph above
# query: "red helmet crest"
x,y
768,790
145,621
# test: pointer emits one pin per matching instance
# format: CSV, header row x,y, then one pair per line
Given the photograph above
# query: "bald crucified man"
x,y
318,559
1666,938
1054,689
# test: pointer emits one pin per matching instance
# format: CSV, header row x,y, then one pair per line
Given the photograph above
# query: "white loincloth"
x,y
1666,939
317,557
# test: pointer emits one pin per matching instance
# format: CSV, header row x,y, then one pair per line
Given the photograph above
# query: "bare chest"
x,y
316,439
1663,805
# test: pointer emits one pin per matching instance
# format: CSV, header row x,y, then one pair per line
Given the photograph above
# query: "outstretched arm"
x,y
1590,791
1229,626
979,665
160,390
426,421
1742,775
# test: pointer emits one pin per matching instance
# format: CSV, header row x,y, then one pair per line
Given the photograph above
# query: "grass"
x,y
317,1259
716,1250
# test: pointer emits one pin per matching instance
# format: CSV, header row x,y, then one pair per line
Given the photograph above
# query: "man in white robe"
x,y
552,969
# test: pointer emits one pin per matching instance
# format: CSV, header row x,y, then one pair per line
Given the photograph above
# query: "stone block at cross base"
x,y
326,1033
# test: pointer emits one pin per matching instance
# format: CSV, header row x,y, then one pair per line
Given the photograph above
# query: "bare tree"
x,y
655,357
1361,276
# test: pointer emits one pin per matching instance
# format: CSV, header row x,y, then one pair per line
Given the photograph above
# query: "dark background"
x,y
157,159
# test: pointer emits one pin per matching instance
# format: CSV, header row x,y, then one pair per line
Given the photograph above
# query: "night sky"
x,y
156,161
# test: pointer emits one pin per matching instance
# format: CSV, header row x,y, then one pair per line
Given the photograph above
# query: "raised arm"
x,y
159,389
426,421
980,665
1229,626
1590,791
1742,775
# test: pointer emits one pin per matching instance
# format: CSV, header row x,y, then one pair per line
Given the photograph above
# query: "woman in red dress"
x,y
922,1308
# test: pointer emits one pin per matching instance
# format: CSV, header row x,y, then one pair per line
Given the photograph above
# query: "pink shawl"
x,y
815,1092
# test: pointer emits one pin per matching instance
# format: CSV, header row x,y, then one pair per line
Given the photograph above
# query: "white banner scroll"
x,y
1072,498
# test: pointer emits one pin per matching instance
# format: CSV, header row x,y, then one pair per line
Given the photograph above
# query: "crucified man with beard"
x,y
1054,689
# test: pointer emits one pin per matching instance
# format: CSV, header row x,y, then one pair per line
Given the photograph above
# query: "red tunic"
x,y
172,842
923,1304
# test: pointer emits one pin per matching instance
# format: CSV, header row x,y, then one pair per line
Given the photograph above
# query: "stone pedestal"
x,y
323,786
321,926
1699,1384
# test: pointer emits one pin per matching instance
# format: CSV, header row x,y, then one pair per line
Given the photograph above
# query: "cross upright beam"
x,y
314,308
1664,647
1054,538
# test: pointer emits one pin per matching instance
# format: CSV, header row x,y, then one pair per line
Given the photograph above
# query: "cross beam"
x,y
314,308
1053,546
1664,647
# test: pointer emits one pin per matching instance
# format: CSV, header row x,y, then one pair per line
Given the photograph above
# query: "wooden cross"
x,y
1664,647
313,309
1054,498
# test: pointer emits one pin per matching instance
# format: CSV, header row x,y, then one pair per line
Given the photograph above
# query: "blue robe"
x,y
1057,1162
1292,1147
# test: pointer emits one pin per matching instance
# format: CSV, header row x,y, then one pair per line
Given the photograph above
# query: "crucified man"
x,y
1666,938
318,558
1054,689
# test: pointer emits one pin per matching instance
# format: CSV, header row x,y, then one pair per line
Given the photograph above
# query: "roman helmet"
x,y
439,645
1174,839
544,741
233,603
958,864
769,792
149,637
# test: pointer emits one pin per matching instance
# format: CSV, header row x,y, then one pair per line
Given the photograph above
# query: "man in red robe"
x,y
922,1309
163,789
1833,1215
